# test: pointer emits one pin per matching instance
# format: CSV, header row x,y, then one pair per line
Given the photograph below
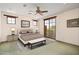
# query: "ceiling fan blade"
x,y
43,11
40,13
38,8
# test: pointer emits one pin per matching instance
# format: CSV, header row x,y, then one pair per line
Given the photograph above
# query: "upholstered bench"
x,y
36,42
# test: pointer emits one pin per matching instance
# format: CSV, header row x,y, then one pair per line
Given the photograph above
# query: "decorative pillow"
x,y
23,32
26,31
35,31
30,31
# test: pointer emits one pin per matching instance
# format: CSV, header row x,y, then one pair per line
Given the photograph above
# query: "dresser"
x,y
12,37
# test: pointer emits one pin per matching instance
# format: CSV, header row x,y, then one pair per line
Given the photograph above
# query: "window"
x,y
11,20
52,22
34,22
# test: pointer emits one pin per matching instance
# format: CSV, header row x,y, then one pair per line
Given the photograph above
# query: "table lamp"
x,y
13,31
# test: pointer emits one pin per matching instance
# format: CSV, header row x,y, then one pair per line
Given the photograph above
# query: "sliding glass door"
x,y
47,28
50,28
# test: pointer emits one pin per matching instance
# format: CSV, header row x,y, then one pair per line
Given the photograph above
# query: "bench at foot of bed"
x,y
36,43
23,42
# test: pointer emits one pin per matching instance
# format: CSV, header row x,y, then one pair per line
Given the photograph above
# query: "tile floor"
x,y
51,48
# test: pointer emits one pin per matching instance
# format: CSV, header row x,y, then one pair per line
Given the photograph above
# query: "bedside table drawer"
x,y
12,37
15,37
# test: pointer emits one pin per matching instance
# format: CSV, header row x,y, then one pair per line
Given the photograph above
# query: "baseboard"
x,y
68,43
6,41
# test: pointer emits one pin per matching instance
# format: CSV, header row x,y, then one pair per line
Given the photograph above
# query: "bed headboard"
x,y
24,31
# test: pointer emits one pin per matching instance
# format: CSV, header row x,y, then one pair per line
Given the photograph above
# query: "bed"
x,y
25,36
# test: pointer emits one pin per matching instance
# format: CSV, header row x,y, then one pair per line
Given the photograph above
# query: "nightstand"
x,y
12,37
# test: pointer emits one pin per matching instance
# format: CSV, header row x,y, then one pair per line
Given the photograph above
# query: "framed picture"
x,y
25,23
73,22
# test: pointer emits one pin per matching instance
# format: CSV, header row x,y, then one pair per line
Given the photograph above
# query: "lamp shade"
x,y
12,29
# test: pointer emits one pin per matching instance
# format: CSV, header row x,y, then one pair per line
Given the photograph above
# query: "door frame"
x,y
49,25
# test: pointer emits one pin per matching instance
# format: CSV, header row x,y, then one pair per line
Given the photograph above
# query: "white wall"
x,y
6,28
41,26
69,35
0,25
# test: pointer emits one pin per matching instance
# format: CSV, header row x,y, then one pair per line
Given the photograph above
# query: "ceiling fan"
x,y
38,11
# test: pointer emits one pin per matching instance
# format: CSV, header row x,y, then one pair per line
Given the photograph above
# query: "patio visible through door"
x,y
50,27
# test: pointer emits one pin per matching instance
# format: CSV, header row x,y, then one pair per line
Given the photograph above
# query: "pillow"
x,y
35,31
26,31
23,32
30,31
